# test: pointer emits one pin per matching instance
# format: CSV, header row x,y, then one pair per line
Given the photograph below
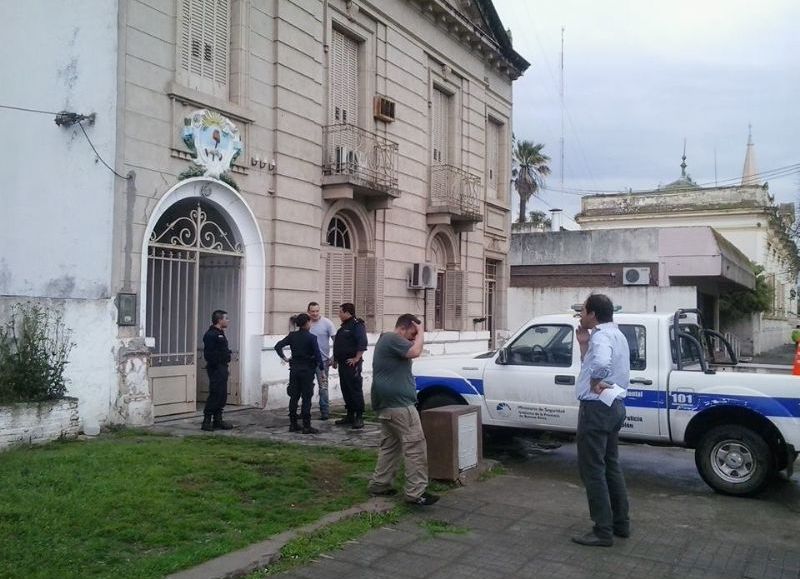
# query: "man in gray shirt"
x,y
323,329
394,397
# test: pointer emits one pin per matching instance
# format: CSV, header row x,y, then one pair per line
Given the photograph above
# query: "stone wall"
x,y
38,422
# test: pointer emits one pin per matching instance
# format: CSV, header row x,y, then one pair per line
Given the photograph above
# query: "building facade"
x,y
376,144
745,214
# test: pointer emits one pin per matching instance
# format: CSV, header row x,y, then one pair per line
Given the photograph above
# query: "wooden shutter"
x,y
453,299
204,44
369,291
343,80
339,277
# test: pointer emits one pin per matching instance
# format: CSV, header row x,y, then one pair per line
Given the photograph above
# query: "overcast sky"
x,y
642,75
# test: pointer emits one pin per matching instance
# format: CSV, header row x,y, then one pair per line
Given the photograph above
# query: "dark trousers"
x,y
352,387
301,385
598,462
217,390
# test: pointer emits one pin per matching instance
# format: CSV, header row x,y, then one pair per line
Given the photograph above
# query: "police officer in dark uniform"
x,y
305,361
349,346
218,356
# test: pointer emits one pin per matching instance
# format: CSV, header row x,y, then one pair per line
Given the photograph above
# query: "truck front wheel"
x,y
734,460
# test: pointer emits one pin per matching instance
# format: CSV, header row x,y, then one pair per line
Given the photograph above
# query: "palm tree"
x,y
531,169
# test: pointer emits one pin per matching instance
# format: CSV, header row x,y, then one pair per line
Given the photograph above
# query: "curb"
x,y
260,555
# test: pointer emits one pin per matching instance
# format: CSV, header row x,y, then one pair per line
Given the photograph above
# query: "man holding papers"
x,y
601,386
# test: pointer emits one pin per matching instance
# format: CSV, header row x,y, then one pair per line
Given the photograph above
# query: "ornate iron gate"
x,y
193,265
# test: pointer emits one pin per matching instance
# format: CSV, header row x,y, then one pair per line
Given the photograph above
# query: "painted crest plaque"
x,y
213,139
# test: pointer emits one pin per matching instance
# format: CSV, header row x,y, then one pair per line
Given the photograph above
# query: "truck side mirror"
x,y
502,356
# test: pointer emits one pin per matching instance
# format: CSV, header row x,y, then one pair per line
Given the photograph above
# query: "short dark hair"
x,y
217,316
300,320
602,307
406,321
349,308
311,305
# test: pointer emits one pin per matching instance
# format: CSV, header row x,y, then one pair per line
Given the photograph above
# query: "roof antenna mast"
x,y
563,107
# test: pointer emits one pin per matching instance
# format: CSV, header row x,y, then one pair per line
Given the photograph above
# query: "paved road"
x,y
519,525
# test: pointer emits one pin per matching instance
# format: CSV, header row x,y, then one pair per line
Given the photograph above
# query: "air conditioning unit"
x,y
635,276
423,276
383,108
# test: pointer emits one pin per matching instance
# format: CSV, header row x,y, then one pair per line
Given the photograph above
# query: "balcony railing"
x,y
367,160
457,192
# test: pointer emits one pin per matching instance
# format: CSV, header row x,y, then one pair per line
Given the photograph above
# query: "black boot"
x,y
207,423
220,424
346,420
358,422
293,426
308,429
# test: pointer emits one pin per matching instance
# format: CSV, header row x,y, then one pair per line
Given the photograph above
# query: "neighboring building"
x,y
745,214
375,135
642,270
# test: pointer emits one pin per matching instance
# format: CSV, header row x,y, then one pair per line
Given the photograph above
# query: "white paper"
x,y
608,395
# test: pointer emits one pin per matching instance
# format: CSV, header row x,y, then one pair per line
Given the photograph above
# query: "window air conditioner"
x,y
423,276
383,109
635,276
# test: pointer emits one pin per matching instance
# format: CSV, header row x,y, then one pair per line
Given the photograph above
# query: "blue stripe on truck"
x,y
688,401
458,385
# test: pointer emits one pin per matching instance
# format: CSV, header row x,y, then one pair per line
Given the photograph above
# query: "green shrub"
x,y
34,351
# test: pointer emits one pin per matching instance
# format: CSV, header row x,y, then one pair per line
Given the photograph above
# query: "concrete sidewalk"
x,y
520,527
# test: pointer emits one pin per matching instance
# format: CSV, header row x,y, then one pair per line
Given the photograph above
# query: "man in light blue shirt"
x,y
605,358
324,330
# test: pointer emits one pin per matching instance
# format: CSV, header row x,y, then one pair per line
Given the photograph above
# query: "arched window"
x,y
338,234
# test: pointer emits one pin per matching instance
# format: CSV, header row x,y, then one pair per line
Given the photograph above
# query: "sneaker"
x,y
390,492
623,532
222,425
592,540
294,427
310,430
358,423
427,499
344,421
324,417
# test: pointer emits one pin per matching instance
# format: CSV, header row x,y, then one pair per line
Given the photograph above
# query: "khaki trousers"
x,y
402,438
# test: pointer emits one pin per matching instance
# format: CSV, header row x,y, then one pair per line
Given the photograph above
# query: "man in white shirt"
x,y
324,330
605,358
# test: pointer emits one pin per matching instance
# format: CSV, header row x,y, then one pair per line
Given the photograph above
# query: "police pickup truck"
x,y
742,420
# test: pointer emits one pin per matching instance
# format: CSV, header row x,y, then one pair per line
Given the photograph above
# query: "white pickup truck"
x,y
742,420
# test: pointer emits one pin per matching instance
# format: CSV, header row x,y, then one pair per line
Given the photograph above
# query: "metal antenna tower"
x,y
563,108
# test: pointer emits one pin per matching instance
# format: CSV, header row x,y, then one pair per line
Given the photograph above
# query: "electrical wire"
x,y
13,108
79,123
83,130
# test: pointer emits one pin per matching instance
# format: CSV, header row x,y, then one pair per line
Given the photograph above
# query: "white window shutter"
x,y
454,300
441,126
339,277
492,156
204,44
343,80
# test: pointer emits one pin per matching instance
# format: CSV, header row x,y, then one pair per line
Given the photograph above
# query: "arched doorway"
x,y
351,270
446,305
203,252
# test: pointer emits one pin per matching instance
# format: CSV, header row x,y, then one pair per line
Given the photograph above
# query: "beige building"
x,y
745,214
375,169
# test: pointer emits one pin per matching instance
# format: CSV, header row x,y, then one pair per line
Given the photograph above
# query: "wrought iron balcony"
x,y
359,163
455,196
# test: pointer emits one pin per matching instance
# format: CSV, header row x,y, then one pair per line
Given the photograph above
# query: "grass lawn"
x,y
138,505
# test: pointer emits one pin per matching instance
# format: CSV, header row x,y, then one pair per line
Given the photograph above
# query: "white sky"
x,y
641,75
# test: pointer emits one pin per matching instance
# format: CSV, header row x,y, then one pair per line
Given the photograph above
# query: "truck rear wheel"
x,y
734,460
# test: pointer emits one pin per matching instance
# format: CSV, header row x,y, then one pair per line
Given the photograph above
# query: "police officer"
x,y
349,346
218,356
306,360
